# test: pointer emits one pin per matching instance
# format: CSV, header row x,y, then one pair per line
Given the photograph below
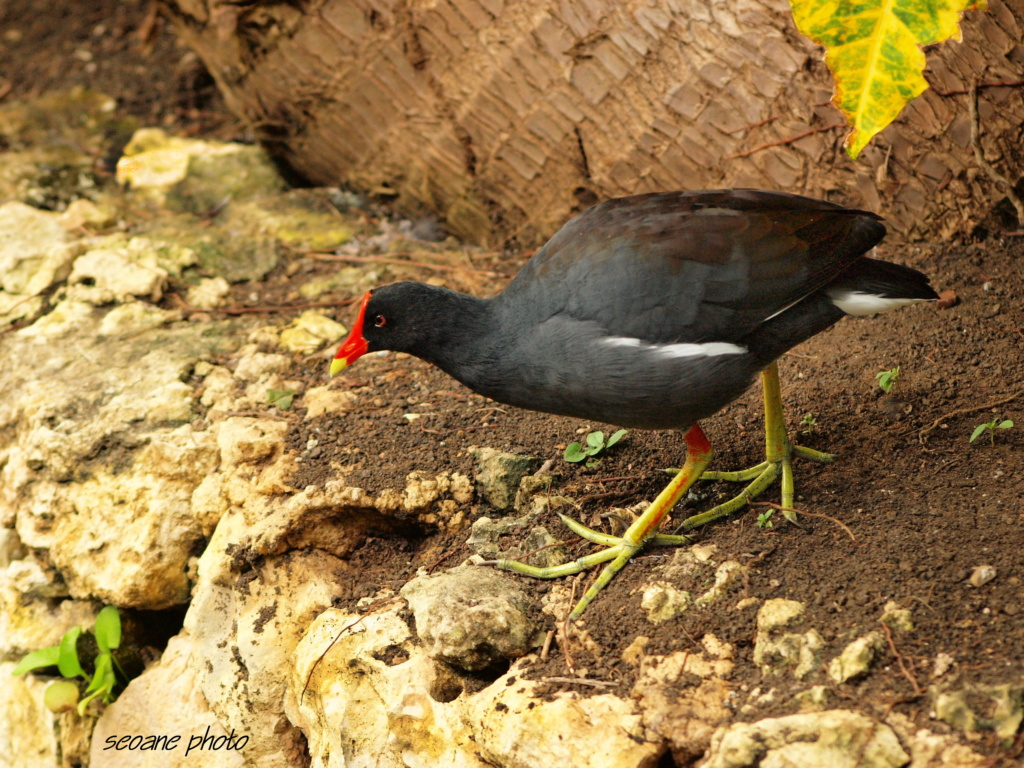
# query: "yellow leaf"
x,y
873,48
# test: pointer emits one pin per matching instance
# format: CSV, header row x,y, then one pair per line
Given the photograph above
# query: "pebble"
x,y
982,575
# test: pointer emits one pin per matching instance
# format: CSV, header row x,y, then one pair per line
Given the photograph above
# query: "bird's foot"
x,y
760,478
779,453
619,550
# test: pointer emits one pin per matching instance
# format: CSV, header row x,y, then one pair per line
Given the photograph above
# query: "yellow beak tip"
x,y
337,366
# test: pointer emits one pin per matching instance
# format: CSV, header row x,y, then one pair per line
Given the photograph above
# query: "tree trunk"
x,y
506,116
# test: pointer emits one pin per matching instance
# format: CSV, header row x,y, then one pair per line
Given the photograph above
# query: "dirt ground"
x,y
120,47
906,513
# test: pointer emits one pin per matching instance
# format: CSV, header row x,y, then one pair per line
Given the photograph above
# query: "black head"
x,y
406,317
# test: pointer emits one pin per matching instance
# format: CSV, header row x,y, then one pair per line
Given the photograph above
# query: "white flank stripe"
x,y
621,341
710,349
860,303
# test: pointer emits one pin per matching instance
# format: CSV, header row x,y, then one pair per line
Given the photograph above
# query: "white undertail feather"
x,y
860,303
709,349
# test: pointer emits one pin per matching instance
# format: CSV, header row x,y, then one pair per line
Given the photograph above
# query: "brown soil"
x,y
120,47
906,512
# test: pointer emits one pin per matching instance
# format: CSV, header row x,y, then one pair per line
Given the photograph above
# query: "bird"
x,y
653,311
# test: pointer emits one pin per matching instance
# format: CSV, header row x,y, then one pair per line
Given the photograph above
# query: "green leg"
x,y
779,453
619,550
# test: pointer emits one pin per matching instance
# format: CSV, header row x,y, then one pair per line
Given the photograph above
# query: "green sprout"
x,y
764,520
889,380
575,452
62,695
282,398
808,422
990,427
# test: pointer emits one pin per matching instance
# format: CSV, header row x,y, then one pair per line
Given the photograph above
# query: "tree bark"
x,y
506,116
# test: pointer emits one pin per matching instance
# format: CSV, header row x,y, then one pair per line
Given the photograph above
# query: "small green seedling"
x,y
990,427
282,398
764,520
575,452
889,380
62,695
808,422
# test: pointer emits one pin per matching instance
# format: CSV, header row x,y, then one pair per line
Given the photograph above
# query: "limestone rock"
x,y
776,650
210,293
899,619
472,617
367,696
245,440
143,517
322,400
35,250
27,737
103,457
856,658
309,332
498,474
85,214
830,739
1002,711
28,624
532,544
256,365
246,617
135,317
685,717
814,699
663,601
105,275
514,727
193,175
727,575
933,750
165,700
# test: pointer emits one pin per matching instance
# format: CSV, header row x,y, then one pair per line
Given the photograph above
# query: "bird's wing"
x,y
693,266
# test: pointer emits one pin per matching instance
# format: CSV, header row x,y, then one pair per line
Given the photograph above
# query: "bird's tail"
x,y
869,286
866,287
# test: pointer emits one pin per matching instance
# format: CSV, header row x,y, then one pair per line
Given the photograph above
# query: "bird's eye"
x,y
380,321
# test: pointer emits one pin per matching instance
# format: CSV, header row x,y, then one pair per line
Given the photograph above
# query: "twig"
x,y
996,176
563,631
441,559
802,512
758,124
369,611
959,411
579,681
546,648
899,659
790,140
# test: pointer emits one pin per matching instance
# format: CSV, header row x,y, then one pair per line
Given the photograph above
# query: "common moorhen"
x,y
653,312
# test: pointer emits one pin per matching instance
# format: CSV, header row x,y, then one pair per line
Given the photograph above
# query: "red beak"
x,y
355,345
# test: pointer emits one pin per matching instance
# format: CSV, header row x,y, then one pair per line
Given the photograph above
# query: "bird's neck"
x,y
458,335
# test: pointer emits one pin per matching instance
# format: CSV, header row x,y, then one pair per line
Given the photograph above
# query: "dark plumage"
x,y
653,312
591,325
